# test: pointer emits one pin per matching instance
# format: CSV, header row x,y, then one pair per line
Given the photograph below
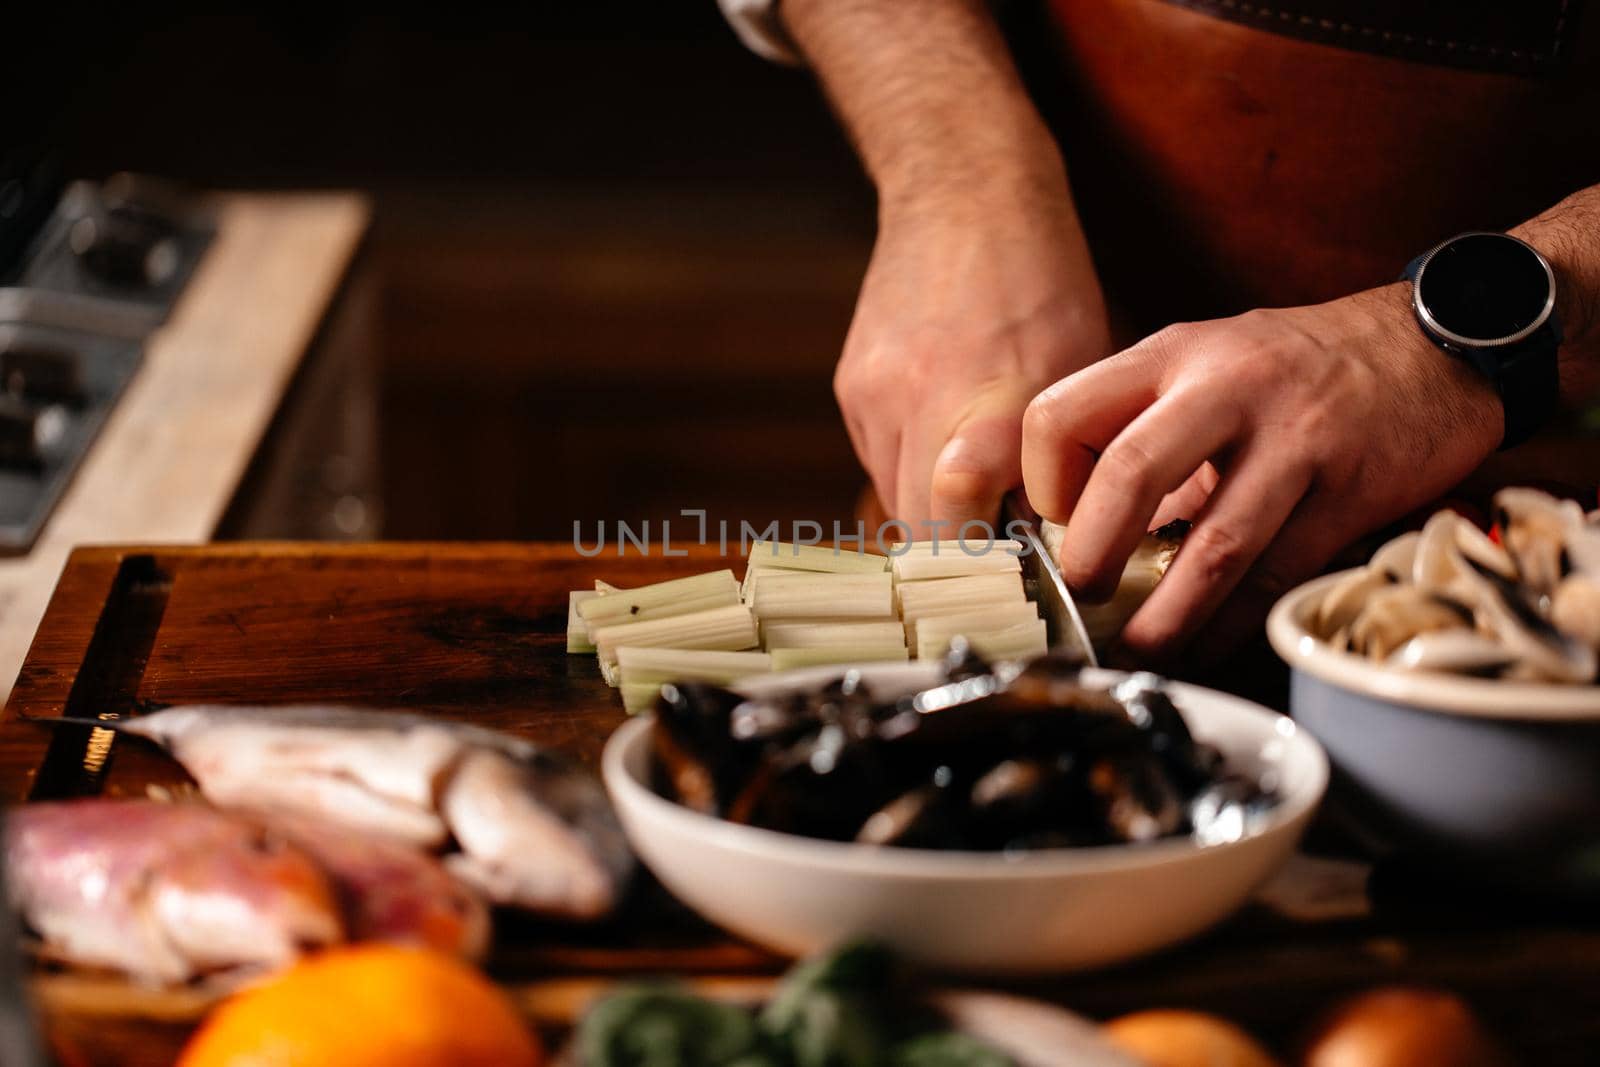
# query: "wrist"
x,y
957,174
1564,235
1462,397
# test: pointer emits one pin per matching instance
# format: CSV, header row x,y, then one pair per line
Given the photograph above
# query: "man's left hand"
x,y
1321,423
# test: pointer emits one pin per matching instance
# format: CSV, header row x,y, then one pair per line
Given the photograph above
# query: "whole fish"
x,y
532,830
164,892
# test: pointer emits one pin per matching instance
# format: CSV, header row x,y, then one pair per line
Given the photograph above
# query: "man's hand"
x,y
980,290
967,311
1323,423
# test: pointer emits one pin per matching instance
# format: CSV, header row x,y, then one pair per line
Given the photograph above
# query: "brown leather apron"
x,y
1228,155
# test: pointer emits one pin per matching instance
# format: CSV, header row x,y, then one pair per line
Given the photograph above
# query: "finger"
x,y
1189,499
876,439
1302,548
1068,424
919,448
981,462
880,458
1253,500
1158,452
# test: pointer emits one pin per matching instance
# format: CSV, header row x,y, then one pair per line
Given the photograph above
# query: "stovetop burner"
x,y
100,267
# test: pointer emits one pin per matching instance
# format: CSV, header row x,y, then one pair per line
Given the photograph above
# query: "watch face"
x,y
1484,289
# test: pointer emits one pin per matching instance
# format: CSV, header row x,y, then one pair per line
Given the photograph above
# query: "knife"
x,y
1042,579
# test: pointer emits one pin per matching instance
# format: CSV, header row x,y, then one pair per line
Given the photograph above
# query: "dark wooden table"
x,y
477,632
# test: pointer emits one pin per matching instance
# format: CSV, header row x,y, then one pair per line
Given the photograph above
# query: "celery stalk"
x,y
577,632
726,628
661,598
786,658
842,596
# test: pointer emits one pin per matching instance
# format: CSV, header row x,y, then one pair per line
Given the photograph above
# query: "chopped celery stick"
x,y
843,596
944,627
639,697
944,595
626,604
577,632
781,555
829,634
727,628
785,658
689,606
921,568
973,547
1023,641
657,665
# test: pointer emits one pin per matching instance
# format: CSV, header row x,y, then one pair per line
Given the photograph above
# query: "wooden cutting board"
x,y
477,632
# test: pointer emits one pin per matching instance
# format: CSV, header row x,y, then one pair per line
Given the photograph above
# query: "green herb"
x,y
839,1010
659,1026
948,1049
836,1030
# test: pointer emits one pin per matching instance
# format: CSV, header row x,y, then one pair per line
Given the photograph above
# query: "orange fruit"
x,y
366,1006
1185,1039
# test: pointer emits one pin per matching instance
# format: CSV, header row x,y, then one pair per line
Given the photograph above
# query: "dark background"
x,y
616,253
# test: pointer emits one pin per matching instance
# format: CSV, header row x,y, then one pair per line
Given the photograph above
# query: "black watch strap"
x,y
1529,384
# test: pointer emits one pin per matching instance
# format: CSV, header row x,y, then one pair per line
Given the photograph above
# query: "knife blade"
x,y
1042,579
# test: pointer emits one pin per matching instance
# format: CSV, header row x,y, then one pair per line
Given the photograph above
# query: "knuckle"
x,y
1221,551
1168,346
1130,465
1039,419
1319,422
960,488
849,378
1269,580
844,389
1255,321
1261,364
1176,335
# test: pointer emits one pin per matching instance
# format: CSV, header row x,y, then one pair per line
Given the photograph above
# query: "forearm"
x,y
930,96
1569,236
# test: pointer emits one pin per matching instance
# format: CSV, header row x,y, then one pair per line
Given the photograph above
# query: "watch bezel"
x,y
1433,326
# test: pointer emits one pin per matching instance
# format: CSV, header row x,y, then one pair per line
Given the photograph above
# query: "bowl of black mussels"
x,y
1455,681
1005,818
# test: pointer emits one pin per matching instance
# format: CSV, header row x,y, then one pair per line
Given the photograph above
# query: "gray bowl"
x,y
1499,780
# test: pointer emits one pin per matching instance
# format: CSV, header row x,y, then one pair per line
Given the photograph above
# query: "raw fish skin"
x,y
164,892
533,836
379,775
393,891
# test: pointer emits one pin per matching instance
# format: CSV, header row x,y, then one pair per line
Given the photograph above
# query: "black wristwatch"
x,y
1490,299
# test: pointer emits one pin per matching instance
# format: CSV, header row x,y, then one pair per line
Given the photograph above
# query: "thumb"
x,y
979,464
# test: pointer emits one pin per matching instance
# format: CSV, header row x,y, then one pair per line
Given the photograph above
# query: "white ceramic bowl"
x,y
1499,779
1047,911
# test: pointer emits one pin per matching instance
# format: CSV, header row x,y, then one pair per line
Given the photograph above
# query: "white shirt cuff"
x,y
759,27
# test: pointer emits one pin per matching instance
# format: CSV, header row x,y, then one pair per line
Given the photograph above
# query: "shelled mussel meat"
x,y
1522,605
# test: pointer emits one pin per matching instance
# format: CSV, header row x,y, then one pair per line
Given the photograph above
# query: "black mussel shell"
x,y
1034,798
1016,759
698,758
1225,810
823,786
1138,800
932,815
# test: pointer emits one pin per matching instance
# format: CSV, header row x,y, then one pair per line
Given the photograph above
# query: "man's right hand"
x,y
980,292
975,300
